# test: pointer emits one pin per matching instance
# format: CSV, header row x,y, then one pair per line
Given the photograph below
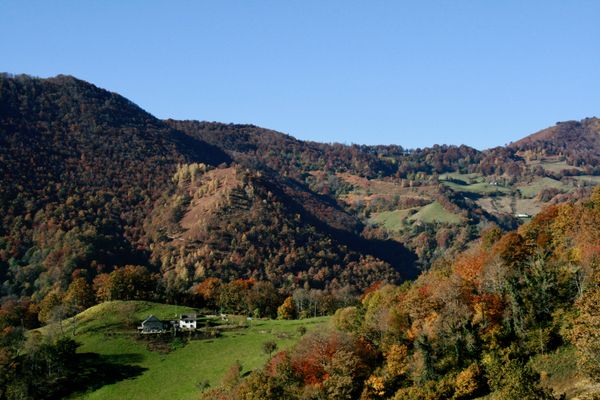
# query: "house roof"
x,y
151,318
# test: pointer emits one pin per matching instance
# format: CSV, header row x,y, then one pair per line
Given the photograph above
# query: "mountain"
x,y
90,182
80,166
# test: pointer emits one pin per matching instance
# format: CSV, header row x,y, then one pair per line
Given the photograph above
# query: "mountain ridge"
x,y
90,181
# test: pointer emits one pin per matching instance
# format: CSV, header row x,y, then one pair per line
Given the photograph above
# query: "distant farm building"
x,y
522,215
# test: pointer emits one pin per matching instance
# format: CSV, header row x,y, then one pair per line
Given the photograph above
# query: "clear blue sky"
x,y
412,73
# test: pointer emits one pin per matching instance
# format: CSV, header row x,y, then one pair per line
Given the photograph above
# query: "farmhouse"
x,y
152,325
187,321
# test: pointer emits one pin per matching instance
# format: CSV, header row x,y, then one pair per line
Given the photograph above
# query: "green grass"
x,y
468,178
556,166
174,375
594,180
532,189
391,220
434,212
431,213
482,188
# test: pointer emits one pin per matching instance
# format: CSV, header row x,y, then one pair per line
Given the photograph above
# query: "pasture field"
x,y
434,212
144,372
395,221
531,190
478,187
391,220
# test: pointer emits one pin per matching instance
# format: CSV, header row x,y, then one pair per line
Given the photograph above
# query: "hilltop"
x,y
578,142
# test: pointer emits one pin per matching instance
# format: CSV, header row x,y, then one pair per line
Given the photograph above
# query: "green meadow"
x,y
180,372
531,190
435,212
392,220
396,220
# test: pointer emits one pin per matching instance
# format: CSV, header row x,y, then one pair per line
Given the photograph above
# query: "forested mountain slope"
x,y
91,182
577,141
80,167
88,178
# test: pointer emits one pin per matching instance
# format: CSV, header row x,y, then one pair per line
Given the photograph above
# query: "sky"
x,y
412,73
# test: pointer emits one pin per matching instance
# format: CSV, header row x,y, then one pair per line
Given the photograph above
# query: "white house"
x,y
187,321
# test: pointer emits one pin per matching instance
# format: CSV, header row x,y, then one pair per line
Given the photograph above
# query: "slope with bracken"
x,y
230,222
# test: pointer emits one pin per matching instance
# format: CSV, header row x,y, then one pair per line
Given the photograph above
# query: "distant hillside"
x,y
577,141
89,181
85,174
79,169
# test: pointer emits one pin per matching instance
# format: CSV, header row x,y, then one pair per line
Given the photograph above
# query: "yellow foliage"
x,y
397,360
467,382
376,384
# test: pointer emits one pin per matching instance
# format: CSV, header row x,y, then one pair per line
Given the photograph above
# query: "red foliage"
x,y
208,288
513,248
469,266
314,353
424,291
375,286
490,308
277,363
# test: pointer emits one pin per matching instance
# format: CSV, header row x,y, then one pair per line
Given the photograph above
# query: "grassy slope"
x,y
555,166
482,188
532,189
434,212
510,205
590,179
474,183
463,177
174,375
391,220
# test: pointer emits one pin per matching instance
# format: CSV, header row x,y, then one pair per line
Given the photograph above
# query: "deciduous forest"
x,y
447,272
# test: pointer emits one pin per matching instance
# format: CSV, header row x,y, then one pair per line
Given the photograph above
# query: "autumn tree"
x,y
286,310
51,307
586,332
469,382
132,282
79,295
208,290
